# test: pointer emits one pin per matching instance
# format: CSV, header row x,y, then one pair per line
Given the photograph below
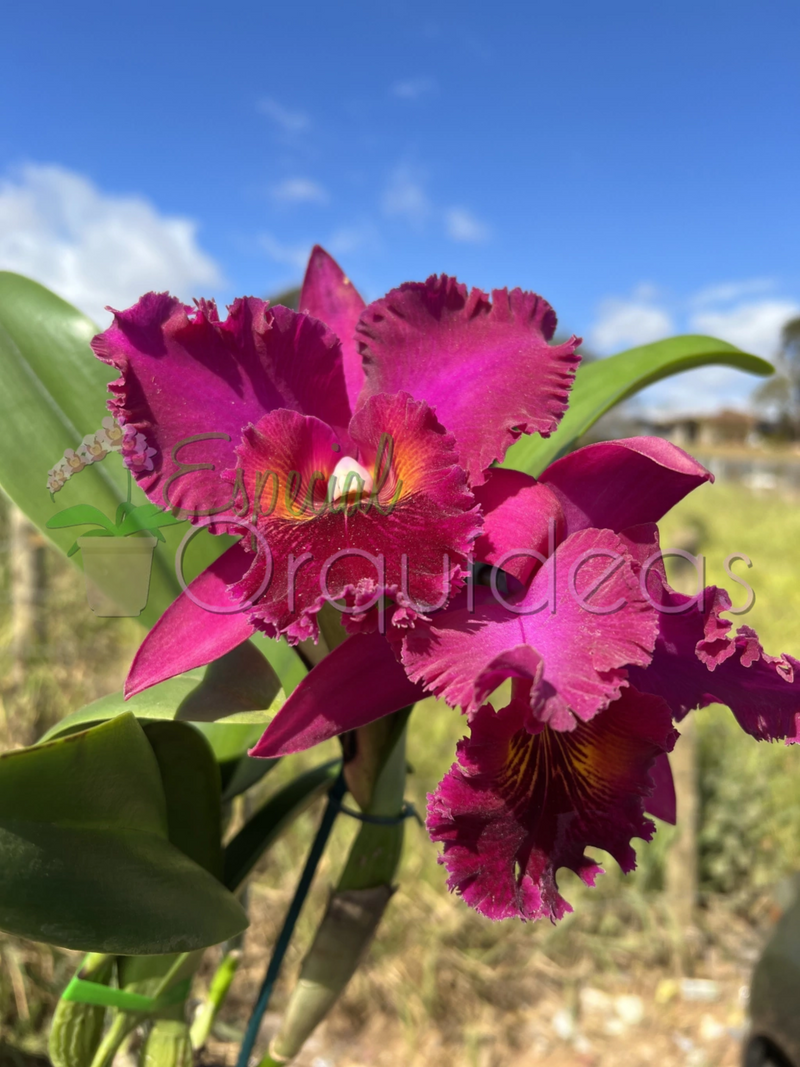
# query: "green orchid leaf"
x,y
125,507
147,517
230,745
239,688
53,394
242,680
240,775
284,659
191,781
606,382
85,859
269,822
80,515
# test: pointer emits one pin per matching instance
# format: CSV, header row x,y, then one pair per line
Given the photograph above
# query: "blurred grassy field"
x,y
441,984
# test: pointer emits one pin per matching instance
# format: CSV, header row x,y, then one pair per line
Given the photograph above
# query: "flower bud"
x,y
76,1029
75,1033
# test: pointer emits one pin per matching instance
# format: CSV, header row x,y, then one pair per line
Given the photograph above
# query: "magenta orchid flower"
x,y
599,671
351,454
280,421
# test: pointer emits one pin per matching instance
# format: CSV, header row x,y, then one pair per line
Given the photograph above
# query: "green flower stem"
x,y
218,991
376,850
97,967
356,905
122,1024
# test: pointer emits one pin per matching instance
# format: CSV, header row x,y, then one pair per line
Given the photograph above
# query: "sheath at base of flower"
x,y
350,436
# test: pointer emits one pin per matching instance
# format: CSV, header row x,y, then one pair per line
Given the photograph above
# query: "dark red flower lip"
x,y
517,805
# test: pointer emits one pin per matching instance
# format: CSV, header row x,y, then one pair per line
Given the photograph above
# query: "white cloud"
x,y
345,240
413,89
728,291
699,391
627,323
405,197
94,248
755,326
300,191
291,255
288,120
726,310
461,225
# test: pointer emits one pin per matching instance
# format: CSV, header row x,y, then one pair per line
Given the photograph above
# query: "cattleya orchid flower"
x,y
599,671
601,655
351,455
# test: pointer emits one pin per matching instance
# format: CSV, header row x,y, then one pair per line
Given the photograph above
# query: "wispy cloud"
x,y
299,191
405,196
726,310
94,248
348,239
413,88
728,291
626,322
461,225
754,326
289,120
295,255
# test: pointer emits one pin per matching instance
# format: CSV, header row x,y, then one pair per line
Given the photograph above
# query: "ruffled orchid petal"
x,y
662,803
485,367
329,295
518,806
357,683
410,537
522,519
188,635
696,662
186,375
616,484
561,635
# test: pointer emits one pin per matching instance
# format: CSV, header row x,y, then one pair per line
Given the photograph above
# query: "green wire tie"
x,y
408,811
79,991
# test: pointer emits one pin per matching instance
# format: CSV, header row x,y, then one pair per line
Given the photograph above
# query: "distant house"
x,y
709,431
723,428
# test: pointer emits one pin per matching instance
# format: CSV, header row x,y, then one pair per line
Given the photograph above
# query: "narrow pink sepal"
x,y
328,294
187,635
359,682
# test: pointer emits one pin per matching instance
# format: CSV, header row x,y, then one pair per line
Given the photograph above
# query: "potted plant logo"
x,y
117,554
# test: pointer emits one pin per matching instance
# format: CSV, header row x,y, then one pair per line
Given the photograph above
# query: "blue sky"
x,y
637,164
